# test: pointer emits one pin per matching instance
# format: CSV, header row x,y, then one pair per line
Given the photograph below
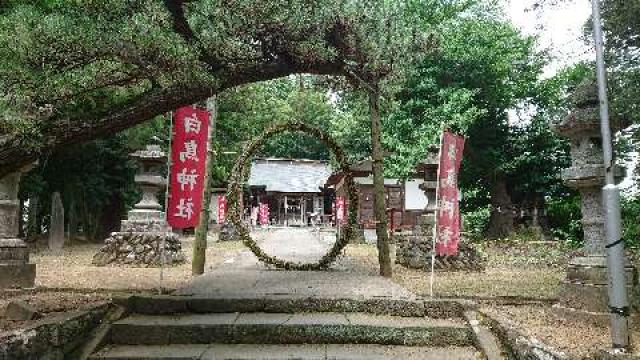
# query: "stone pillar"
x,y
15,269
585,286
56,226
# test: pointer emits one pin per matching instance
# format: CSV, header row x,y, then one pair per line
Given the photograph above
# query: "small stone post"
x,y
586,284
15,269
56,226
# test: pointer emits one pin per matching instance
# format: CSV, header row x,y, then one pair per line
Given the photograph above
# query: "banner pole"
x,y
166,205
437,214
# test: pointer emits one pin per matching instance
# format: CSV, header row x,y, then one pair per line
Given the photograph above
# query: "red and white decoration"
x,y
188,159
222,209
264,214
448,221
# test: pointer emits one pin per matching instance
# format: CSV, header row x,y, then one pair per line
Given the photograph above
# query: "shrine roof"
x,y
289,175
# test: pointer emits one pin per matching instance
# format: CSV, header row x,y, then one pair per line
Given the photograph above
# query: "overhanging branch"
x,y
59,132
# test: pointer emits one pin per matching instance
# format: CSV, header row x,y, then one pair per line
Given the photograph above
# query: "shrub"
x,y
564,215
476,221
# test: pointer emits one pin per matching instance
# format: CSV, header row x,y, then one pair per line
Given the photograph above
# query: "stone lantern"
x,y
413,248
148,212
585,286
15,269
430,168
145,231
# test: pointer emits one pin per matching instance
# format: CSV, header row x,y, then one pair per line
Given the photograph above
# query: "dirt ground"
x,y
48,303
576,334
73,269
511,272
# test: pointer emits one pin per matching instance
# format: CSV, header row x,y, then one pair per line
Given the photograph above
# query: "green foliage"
x,y
476,221
245,112
75,61
564,215
621,23
630,207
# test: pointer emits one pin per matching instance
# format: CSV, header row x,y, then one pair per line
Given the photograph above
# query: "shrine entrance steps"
x,y
243,310
177,327
285,327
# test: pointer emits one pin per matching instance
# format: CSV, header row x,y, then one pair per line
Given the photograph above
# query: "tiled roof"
x,y
290,176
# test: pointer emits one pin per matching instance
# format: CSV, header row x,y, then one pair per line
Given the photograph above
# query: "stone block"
x,y
158,304
586,297
596,275
17,275
585,287
14,253
20,311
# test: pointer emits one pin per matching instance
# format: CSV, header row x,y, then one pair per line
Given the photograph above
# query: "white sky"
x,y
559,29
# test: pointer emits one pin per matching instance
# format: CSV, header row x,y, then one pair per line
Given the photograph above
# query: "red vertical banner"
x,y
188,159
264,214
340,210
448,231
222,209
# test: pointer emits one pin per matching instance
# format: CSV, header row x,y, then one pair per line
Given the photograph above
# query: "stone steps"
x,y
273,352
288,328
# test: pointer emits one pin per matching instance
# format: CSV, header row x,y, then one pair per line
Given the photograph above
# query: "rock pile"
x,y
413,250
140,248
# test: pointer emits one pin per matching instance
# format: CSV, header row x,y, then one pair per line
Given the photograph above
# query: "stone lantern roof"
x,y
584,118
152,153
150,159
582,126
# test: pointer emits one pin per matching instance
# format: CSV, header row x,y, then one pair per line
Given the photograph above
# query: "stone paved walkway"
x,y
243,275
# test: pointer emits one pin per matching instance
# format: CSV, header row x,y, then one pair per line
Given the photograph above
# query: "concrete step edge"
x,y
169,304
281,351
300,332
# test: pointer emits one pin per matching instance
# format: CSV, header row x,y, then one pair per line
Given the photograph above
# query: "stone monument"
x,y
413,248
56,226
585,286
15,269
145,231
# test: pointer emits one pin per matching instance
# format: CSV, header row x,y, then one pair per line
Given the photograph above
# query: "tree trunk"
x,y
200,242
501,219
380,213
